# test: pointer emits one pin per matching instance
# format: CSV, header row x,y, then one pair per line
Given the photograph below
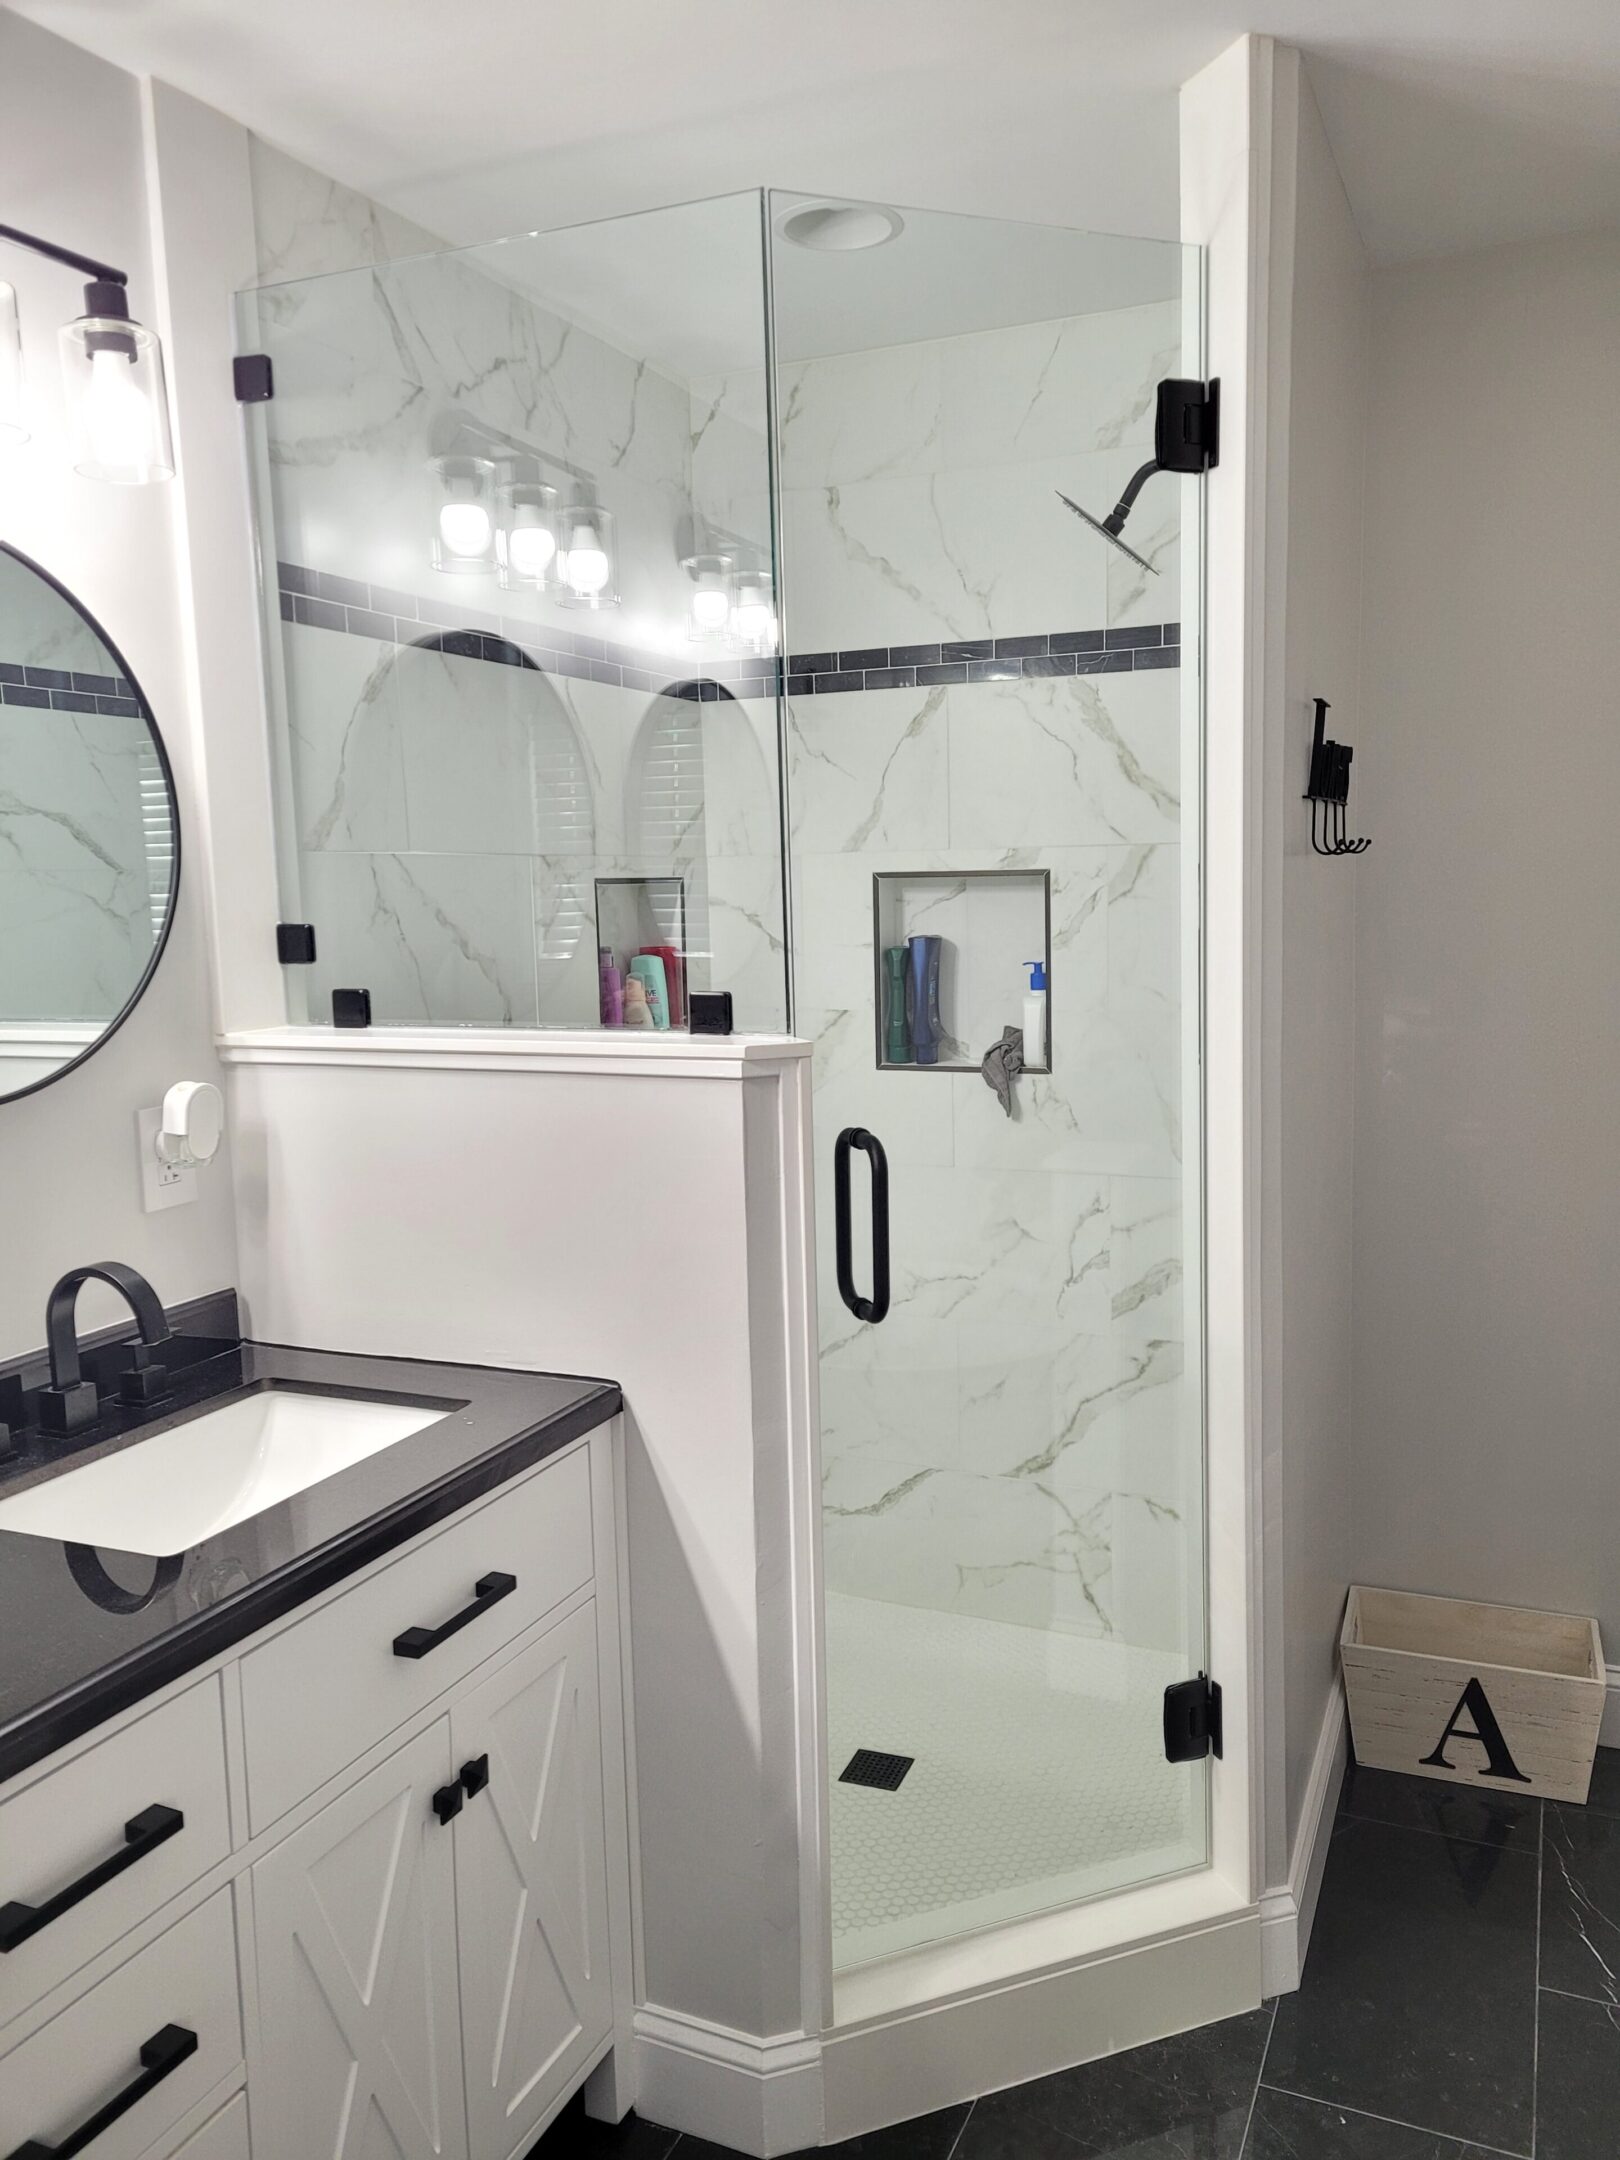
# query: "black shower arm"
x,y
1115,521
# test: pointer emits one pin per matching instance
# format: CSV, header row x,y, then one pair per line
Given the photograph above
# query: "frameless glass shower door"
x,y
993,784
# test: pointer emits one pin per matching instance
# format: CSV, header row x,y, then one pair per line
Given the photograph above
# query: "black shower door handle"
x,y
877,1305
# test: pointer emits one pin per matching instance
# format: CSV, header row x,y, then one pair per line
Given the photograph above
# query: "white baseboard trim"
x,y
1609,1730
1288,1912
760,2097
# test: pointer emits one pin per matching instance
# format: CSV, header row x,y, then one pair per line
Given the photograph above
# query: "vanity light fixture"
x,y
526,535
112,369
13,395
464,515
753,612
710,607
585,559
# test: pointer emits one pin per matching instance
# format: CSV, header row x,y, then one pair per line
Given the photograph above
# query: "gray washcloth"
x,y
1002,1063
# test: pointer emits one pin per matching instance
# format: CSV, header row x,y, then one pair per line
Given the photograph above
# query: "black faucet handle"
x,y
68,1409
144,1379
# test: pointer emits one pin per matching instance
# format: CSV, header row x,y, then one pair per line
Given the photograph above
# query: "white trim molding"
x,y
761,2097
662,1055
1288,1912
1609,1732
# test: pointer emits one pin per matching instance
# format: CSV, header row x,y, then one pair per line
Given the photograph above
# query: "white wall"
x,y
73,167
1487,1274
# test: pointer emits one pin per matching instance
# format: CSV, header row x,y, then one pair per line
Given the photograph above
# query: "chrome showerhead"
x,y
1099,526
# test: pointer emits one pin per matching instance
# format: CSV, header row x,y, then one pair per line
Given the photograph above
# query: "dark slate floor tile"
x,y
1457,1811
1419,1996
926,2137
1165,2101
1578,2085
575,2136
1285,2127
1605,1793
1580,1903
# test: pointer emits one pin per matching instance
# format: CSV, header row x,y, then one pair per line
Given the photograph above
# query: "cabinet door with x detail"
x,y
531,1883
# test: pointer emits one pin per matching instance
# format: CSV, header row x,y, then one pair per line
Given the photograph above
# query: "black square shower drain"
x,y
869,1766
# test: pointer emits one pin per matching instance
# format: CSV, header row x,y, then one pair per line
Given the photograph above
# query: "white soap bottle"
x,y
1035,1017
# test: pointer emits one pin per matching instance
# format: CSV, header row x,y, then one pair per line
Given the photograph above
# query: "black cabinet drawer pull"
x,y
141,1833
448,1801
165,2051
487,1591
475,1775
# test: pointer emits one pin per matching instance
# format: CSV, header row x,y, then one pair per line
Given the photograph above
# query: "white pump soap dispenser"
x,y
1035,1017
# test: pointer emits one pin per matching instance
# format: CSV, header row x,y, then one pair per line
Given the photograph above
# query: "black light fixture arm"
x,y
106,292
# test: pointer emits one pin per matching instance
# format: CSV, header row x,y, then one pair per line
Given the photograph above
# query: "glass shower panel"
x,y
493,482
992,747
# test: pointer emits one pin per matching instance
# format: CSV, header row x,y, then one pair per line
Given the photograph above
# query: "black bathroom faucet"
x,y
71,1401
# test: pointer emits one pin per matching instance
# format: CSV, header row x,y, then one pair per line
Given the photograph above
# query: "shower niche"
x,y
992,928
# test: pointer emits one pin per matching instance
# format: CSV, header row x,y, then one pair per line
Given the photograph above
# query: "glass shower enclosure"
x,y
705,588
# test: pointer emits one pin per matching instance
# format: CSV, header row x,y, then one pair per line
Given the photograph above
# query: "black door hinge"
x,y
1192,1720
295,944
1187,426
253,378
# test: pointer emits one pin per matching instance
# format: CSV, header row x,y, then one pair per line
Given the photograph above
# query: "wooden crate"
x,y
1485,1695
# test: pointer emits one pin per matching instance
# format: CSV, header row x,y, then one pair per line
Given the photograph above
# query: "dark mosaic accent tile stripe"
x,y
1286,2127
1578,2081
11,672
48,678
322,600
1476,1816
25,694
100,685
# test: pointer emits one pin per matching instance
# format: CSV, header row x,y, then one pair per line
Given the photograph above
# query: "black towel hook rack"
x,y
1328,790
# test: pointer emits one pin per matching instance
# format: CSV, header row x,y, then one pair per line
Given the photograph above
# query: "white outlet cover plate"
x,y
162,1185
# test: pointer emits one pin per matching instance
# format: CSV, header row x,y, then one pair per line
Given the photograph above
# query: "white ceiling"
x,y
1457,123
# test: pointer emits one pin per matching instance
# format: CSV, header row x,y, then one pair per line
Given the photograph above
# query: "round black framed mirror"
x,y
89,832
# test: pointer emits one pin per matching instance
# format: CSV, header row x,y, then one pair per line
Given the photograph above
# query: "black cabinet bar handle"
x,y
142,1833
876,1306
487,1591
165,2051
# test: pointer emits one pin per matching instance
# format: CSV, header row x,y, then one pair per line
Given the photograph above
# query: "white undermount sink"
x,y
171,1491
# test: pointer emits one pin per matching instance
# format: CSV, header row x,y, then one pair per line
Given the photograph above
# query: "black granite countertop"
x,y
72,1653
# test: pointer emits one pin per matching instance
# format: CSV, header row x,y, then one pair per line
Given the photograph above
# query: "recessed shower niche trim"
x,y
962,997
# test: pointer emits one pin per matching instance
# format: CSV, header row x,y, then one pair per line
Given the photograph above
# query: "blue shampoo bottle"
x,y
922,998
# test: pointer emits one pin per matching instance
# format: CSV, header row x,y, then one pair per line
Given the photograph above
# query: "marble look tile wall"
x,y
452,816
1018,1439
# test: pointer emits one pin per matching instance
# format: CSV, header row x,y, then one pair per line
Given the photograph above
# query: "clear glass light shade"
x,y
526,536
753,612
14,426
117,401
710,608
463,516
586,569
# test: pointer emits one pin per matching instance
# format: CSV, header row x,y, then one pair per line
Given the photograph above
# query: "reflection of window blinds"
x,y
564,818
669,808
157,834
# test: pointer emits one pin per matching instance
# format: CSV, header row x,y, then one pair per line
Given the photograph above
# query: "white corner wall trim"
x,y
757,2096
1288,1912
665,1056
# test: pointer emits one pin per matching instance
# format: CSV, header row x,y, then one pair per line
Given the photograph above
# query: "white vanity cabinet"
x,y
432,1946
396,1915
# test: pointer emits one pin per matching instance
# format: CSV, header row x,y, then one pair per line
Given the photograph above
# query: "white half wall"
x,y
561,1202
1487,1372
74,167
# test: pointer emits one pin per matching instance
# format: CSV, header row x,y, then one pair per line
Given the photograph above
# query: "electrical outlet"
x,y
162,1184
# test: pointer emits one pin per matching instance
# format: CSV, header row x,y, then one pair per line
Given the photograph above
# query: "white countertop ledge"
x,y
656,1054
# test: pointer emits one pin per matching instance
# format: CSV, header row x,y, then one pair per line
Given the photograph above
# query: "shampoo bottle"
x,y
648,970
896,1042
637,1012
612,983
922,998
1035,1017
